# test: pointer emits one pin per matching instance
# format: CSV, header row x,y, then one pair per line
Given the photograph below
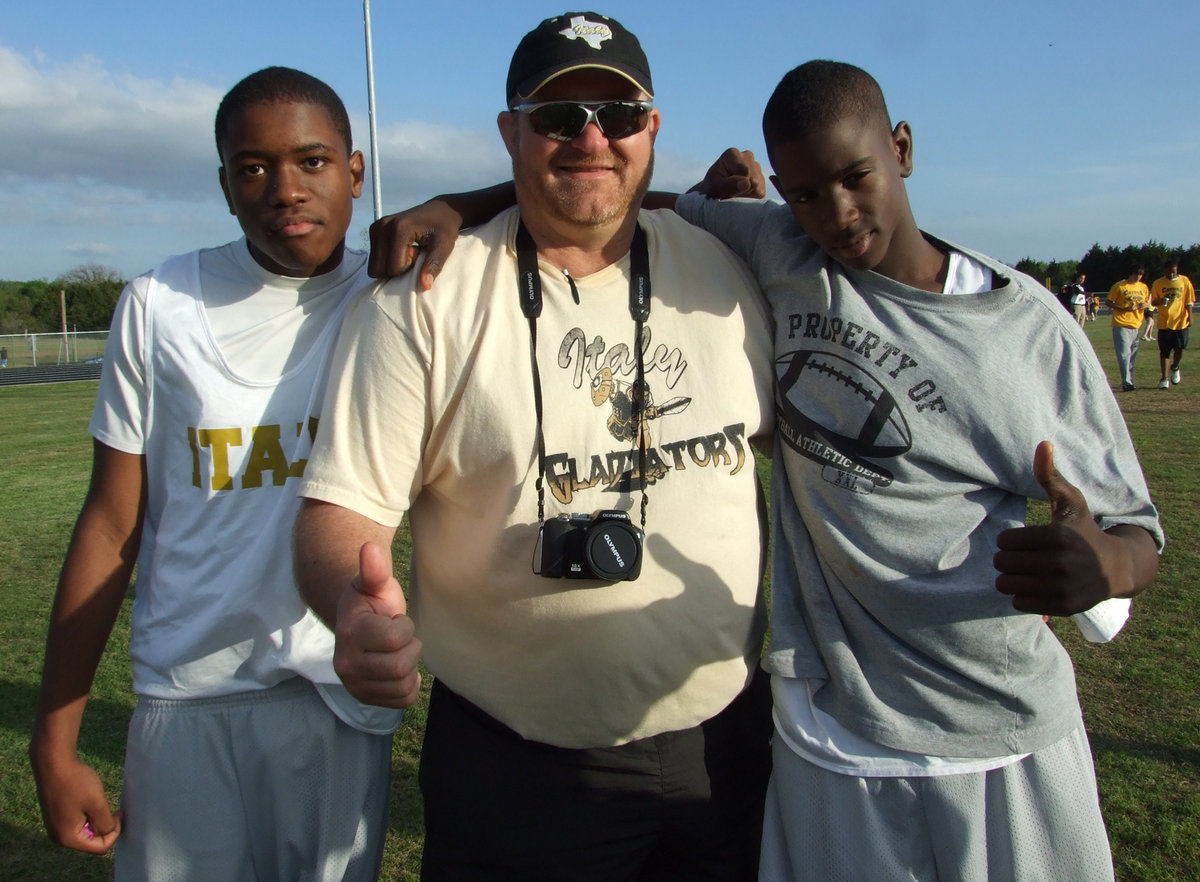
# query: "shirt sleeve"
x,y
736,222
374,421
119,415
1093,448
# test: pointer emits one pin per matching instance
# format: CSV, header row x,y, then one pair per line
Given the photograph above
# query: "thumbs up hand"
x,y
375,588
375,652
1068,565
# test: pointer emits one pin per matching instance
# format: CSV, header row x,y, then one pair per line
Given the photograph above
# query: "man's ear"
x,y
357,172
506,121
902,143
225,190
655,124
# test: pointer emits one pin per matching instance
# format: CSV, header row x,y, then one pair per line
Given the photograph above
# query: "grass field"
x,y
1141,694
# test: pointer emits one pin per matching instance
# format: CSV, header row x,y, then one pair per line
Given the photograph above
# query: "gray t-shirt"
x,y
907,423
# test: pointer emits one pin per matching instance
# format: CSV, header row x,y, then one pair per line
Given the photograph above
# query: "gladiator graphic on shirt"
x,y
648,434
623,423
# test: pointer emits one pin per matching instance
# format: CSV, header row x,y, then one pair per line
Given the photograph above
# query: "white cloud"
x,y
125,168
78,122
89,249
129,141
419,160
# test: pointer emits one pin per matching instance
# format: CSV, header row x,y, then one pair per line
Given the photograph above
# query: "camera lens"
x,y
612,550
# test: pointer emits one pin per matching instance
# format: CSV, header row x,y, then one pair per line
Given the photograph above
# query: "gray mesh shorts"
x,y
256,786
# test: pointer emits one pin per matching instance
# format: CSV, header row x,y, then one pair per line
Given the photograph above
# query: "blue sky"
x,y
1040,127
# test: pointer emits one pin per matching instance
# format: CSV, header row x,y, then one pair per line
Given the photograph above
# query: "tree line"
x,y
91,290
1107,266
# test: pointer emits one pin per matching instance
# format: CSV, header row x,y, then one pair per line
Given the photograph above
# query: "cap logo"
x,y
592,33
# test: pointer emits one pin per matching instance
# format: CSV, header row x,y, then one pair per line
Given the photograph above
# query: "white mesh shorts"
x,y
257,786
1037,819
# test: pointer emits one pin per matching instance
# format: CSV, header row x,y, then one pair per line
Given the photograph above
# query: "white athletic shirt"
x,y
220,392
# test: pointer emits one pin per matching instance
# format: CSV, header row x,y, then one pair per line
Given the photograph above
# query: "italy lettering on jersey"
x,y
256,453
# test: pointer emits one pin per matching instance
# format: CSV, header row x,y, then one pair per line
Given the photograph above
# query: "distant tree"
x,y
1062,272
1053,275
91,293
15,317
19,306
1031,267
1107,266
1104,266
1152,256
1189,261
90,274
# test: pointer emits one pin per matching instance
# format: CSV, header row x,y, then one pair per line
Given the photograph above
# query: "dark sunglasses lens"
x,y
560,121
621,120
565,121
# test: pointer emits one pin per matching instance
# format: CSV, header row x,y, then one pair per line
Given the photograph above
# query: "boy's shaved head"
x,y
282,84
840,166
816,95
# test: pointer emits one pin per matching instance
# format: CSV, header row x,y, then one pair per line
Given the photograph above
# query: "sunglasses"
x,y
566,120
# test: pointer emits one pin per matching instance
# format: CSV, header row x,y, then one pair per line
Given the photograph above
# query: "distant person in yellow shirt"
x,y
1128,300
1173,295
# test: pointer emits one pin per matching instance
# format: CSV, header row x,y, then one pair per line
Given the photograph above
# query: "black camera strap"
x,y
529,291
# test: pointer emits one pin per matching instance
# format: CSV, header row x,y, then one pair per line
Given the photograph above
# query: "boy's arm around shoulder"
x,y
432,227
344,573
1070,565
93,583
730,203
736,174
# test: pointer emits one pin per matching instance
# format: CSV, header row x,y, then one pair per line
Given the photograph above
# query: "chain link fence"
x,y
41,350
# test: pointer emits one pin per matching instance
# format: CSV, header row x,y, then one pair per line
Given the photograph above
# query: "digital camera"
x,y
605,546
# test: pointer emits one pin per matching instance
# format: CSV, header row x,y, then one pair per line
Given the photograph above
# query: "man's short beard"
x,y
595,218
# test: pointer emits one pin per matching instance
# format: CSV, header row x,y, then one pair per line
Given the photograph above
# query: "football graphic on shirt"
x,y
831,401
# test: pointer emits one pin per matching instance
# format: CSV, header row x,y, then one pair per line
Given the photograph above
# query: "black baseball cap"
x,y
572,41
